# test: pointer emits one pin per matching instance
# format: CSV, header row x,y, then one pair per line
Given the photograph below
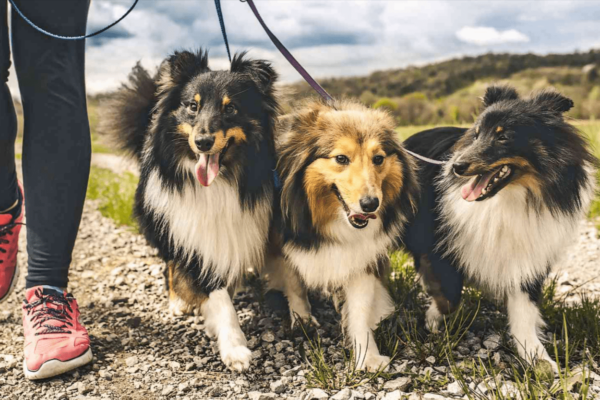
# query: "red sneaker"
x,y
55,341
10,227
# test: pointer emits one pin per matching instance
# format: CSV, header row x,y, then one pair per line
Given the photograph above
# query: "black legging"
x,y
56,139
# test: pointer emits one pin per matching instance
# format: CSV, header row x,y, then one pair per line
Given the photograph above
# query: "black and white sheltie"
x,y
502,210
348,190
204,141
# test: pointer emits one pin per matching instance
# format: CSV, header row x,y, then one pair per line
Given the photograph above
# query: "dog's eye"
x,y
378,160
229,109
503,138
343,160
193,106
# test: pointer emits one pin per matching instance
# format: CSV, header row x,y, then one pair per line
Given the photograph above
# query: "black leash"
x,y
290,58
14,6
222,22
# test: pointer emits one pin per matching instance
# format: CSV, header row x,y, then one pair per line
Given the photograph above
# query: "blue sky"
x,y
334,37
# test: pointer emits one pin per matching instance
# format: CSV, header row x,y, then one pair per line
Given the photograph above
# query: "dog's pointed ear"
x,y
260,71
553,101
181,67
497,93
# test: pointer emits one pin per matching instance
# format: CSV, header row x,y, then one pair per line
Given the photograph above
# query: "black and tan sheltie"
x,y
502,210
204,142
348,189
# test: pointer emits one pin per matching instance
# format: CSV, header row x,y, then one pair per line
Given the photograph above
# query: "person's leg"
x,y
8,121
56,163
56,142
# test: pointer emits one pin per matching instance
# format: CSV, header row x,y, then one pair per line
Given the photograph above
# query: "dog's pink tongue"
x,y
207,168
472,190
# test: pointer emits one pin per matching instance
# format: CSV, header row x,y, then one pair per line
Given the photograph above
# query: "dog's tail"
x,y
125,117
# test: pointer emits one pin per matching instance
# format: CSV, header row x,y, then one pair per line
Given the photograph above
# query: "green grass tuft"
x,y
115,193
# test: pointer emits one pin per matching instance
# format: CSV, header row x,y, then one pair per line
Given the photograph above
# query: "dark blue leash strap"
x,y
222,22
14,6
314,84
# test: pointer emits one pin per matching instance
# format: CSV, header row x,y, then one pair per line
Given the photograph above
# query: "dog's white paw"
x,y
178,307
374,363
236,358
433,319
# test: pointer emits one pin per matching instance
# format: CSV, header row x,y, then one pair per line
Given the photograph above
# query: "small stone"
x,y
455,389
369,396
483,354
397,384
252,343
183,387
268,337
261,396
343,394
292,372
432,396
356,395
492,342
316,394
61,396
509,390
395,395
430,360
278,387
131,361
167,390
497,358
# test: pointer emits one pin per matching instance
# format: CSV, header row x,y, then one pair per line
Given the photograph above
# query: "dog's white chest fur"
x,y
332,265
501,242
211,223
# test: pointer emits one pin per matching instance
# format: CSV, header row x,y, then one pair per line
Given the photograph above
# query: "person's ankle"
x,y
57,288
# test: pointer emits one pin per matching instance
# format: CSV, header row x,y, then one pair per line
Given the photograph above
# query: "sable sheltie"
x,y
204,141
503,208
348,188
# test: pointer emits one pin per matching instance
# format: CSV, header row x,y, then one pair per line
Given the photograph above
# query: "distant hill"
x,y
448,91
444,78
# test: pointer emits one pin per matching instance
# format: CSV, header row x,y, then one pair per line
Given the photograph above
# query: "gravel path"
x,y
140,352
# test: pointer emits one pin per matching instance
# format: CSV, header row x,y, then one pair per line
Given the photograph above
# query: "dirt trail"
x,y
143,353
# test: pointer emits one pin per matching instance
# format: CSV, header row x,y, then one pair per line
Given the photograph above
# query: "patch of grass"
x,y
334,371
580,320
483,380
115,193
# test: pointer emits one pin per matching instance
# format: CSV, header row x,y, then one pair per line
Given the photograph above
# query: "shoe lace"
x,y
6,230
43,314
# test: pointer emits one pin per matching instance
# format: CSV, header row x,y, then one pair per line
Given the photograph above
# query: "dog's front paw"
x,y
433,319
374,363
236,358
178,307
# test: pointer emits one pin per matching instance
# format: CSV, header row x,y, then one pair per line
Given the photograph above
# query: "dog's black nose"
x,y
205,143
369,204
460,167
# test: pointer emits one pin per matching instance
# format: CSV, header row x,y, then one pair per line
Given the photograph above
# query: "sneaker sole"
x,y
15,279
56,367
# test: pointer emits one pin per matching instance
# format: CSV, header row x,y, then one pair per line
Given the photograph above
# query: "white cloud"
x,y
329,37
484,35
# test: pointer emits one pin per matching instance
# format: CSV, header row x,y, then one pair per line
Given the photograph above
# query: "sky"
x,y
332,37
